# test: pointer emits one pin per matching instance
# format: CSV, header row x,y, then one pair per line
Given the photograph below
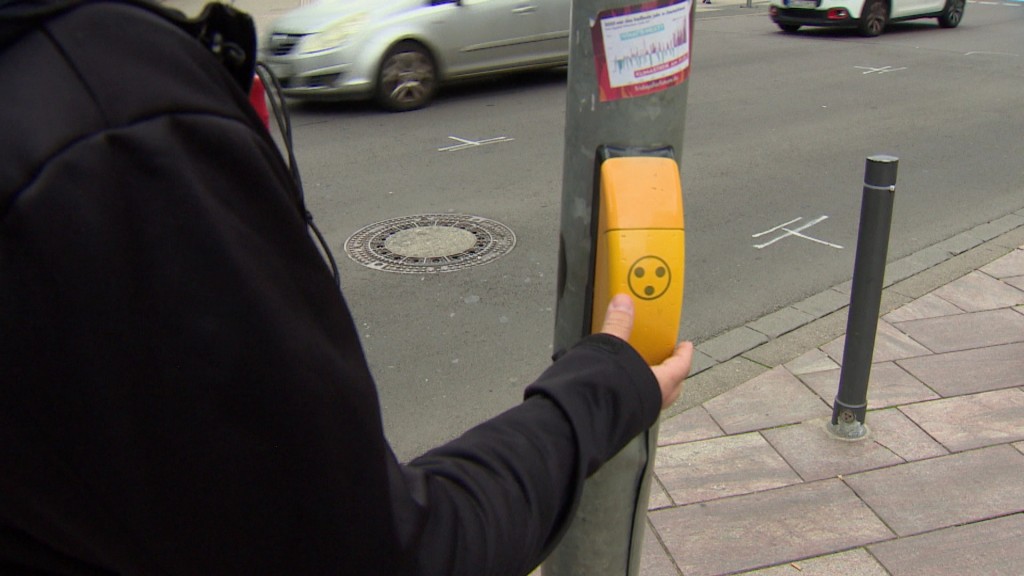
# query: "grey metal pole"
x,y
606,535
850,407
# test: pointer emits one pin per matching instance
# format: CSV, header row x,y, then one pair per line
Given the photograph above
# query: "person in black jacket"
x,y
182,390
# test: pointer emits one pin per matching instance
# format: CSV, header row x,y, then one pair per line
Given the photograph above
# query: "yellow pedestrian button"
x,y
641,249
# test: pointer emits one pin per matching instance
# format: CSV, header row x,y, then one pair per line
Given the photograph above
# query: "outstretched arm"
x,y
495,500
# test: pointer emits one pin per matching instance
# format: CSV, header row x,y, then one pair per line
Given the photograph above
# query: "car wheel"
x,y
873,18
952,14
407,79
789,28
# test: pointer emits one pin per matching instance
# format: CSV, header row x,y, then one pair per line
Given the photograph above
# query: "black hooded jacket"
x,y
182,390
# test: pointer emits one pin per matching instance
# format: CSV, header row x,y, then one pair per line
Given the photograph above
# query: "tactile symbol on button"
x,y
649,278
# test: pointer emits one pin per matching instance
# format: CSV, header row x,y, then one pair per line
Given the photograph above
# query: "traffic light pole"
x,y
628,69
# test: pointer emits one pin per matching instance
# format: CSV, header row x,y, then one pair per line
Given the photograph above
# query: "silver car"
x,y
398,51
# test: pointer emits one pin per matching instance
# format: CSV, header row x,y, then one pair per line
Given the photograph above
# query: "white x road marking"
x,y
882,70
471,143
792,232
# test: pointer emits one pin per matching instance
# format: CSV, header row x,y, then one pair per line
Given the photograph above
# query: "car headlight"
x,y
336,34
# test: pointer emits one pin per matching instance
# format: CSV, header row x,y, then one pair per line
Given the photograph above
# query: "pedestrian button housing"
x,y
640,249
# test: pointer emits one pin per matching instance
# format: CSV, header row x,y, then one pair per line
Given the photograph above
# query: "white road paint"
x,y
797,232
882,70
464,144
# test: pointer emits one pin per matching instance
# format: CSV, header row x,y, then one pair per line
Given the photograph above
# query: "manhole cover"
x,y
430,243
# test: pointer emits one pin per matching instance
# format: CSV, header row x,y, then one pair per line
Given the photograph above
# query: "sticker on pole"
x,y
642,49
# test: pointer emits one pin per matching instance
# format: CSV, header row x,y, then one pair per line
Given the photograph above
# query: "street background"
x,y
777,130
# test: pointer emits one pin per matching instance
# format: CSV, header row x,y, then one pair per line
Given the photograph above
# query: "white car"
x,y
869,17
398,51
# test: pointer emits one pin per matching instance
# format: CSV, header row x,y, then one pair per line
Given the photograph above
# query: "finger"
x,y
671,373
677,366
618,320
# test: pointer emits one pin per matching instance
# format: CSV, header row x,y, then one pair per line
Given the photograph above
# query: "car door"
x,y
909,8
552,40
476,36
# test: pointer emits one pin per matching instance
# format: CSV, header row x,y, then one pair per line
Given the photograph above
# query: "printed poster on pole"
x,y
642,49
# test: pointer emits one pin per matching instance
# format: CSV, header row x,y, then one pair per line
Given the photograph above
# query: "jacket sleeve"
x,y
496,499
184,390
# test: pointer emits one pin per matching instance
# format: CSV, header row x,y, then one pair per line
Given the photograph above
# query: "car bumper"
x,y
811,17
327,75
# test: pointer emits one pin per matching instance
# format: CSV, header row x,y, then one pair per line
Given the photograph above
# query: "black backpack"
x,y
229,34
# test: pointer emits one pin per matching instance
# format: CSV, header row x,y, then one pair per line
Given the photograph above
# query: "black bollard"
x,y
850,407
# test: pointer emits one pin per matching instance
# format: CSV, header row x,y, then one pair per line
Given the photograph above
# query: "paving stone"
x,y
1019,446
1006,267
888,385
892,429
967,422
694,424
767,528
976,291
654,559
701,362
811,361
967,331
1012,239
946,491
970,371
781,321
890,344
815,454
959,244
997,227
926,258
658,498
1016,281
721,467
927,306
902,269
891,300
950,270
855,562
823,303
993,548
790,345
919,261
771,399
732,343
713,382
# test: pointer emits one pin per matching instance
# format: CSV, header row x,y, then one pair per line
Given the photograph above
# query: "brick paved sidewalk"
x,y
750,479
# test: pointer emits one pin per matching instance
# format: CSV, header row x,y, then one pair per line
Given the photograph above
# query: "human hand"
x,y
618,321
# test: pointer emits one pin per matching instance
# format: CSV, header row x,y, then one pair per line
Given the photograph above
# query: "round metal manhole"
x,y
430,243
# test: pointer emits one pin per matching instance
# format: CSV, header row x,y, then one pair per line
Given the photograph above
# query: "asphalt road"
x,y
777,130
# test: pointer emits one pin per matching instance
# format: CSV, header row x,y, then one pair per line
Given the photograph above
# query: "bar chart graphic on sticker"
x,y
641,50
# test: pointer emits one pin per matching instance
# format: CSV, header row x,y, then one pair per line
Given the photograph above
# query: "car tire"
x,y
952,14
407,79
873,18
789,28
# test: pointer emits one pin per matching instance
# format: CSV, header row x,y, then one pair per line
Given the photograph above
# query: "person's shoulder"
x,y
18,17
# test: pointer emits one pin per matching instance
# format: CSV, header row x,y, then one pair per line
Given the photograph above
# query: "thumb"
x,y
618,320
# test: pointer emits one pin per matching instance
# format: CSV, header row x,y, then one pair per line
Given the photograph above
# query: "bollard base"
x,y
848,431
